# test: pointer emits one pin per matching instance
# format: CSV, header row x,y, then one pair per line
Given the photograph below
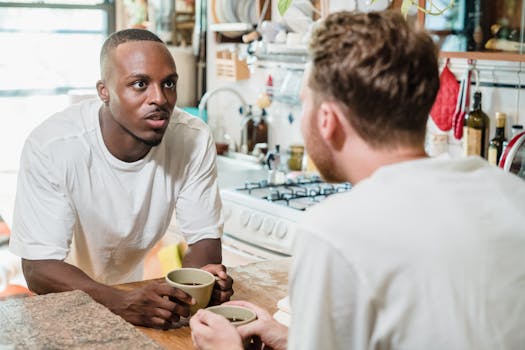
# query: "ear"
x,y
103,92
330,124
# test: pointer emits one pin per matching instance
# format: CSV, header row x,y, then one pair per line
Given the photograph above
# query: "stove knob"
x,y
281,230
267,226
255,222
244,218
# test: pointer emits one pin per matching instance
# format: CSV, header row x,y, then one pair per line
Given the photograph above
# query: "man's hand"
x,y
223,288
156,305
210,331
273,334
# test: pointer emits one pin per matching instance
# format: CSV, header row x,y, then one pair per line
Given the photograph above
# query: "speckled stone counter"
x,y
69,320
72,320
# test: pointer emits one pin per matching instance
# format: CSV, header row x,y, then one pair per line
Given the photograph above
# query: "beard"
x,y
322,157
151,142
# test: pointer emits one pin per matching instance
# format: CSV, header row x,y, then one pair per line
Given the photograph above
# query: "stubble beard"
x,y
322,158
148,142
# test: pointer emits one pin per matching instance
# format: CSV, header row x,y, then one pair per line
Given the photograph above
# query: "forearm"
x,y
203,252
150,305
51,276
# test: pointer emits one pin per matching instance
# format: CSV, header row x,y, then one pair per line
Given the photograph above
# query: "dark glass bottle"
x,y
475,140
257,131
496,143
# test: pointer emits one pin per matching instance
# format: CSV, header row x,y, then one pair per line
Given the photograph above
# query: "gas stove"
x,y
299,193
266,215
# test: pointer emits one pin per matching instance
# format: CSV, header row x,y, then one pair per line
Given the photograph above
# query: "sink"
x,y
233,171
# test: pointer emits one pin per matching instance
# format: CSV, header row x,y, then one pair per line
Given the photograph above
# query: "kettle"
x,y
513,158
273,161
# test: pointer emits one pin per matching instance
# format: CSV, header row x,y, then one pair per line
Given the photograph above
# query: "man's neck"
x,y
119,143
365,161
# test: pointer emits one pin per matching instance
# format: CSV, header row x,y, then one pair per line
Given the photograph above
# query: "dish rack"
x,y
230,67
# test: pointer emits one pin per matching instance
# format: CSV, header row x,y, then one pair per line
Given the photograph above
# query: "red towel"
x,y
446,100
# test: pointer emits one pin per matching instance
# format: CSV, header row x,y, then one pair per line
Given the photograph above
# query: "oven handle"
x,y
237,245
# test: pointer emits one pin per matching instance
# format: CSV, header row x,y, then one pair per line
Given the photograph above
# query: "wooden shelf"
x,y
477,55
474,55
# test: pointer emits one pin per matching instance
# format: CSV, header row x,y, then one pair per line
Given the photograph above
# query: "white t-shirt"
x,y
76,201
426,254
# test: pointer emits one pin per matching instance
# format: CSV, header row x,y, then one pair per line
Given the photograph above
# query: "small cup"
x,y
196,282
237,315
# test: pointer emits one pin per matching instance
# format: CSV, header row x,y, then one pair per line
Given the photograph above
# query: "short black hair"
x,y
124,36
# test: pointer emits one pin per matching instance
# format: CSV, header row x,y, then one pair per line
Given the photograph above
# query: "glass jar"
x,y
295,161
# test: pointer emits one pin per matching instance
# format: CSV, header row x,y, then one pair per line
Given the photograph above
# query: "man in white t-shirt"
x,y
99,182
422,253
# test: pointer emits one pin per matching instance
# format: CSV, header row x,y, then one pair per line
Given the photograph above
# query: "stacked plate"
x,y
234,11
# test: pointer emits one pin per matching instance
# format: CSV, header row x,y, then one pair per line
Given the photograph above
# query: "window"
x,y
52,46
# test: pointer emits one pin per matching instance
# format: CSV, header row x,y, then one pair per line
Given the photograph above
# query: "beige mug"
x,y
237,315
196,282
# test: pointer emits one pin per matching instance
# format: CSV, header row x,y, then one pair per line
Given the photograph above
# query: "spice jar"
x,y
295,161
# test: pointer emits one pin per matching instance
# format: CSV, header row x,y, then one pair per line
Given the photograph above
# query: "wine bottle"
x,y
496,143
476,130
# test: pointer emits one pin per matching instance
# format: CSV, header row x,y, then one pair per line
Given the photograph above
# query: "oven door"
x,y
236,252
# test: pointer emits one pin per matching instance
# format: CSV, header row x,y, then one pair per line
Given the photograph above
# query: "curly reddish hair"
x,y
383,72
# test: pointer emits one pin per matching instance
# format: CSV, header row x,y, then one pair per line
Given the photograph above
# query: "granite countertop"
x,y
73,320
69,320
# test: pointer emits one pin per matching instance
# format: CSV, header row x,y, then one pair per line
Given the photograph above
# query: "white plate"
x,y
304,6
229,11
296,20
239,10
219,11
377,5
253,12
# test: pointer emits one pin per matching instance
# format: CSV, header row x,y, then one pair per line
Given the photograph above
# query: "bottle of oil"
x,y
496,143
257,130
475,140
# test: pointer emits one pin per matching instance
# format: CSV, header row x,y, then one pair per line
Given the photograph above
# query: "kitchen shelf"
x,y
231,32
278,61
231,27
478,55
488,15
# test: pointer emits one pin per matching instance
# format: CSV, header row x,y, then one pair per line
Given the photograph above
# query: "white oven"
x,y
261,219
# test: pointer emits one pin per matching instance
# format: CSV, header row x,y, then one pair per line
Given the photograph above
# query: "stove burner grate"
x,y
298,193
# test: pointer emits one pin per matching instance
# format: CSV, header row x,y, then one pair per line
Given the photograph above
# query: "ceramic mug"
x,y
237,315
196,282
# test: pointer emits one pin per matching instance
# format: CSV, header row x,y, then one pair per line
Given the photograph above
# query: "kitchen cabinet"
x,y
479,29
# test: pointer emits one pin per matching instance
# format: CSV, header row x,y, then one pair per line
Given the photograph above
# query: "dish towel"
x,y
283,313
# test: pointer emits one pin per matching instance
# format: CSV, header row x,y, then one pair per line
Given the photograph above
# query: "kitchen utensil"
x,y
443,109
462,105
513,159
247,38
